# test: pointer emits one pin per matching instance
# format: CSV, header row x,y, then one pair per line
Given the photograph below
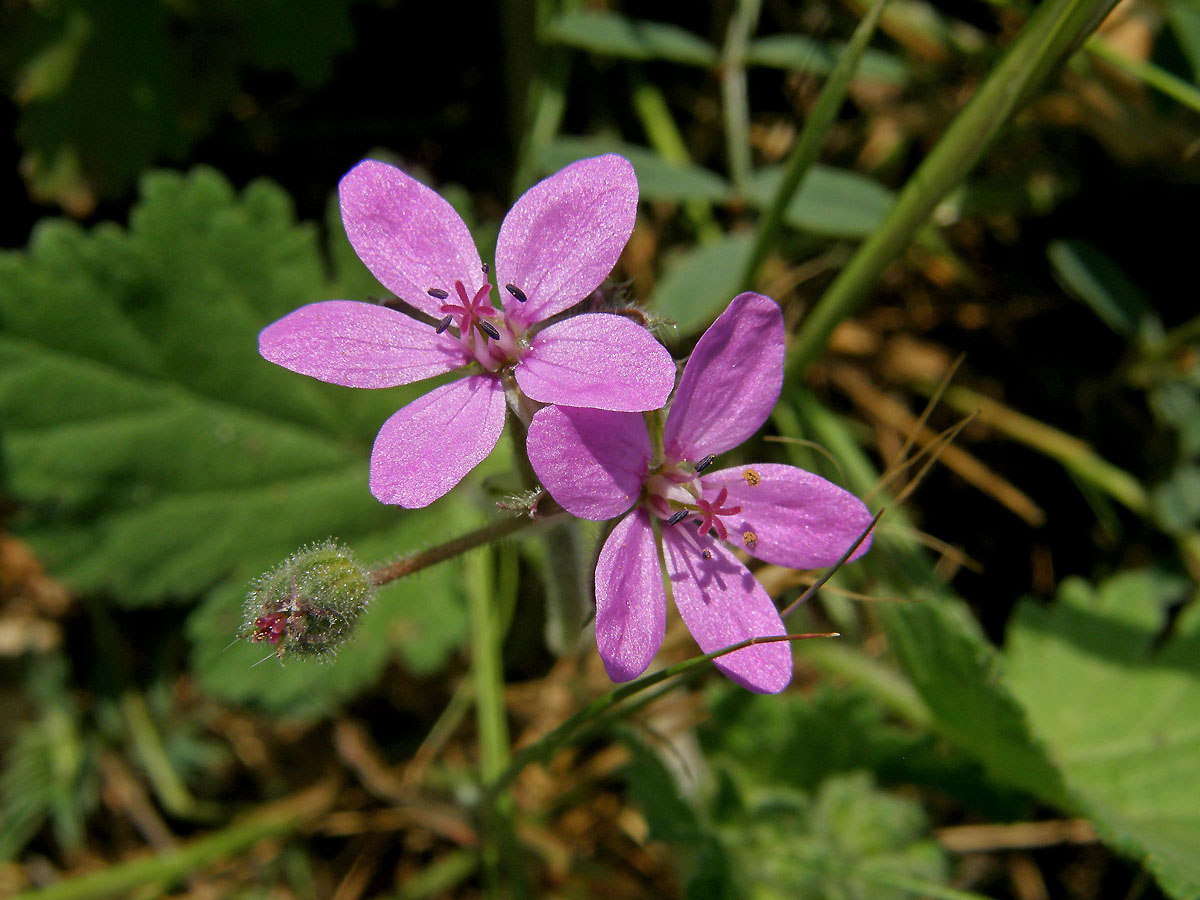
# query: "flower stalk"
x,y
547,512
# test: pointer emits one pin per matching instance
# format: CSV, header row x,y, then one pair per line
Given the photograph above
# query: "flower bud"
x,y
309,603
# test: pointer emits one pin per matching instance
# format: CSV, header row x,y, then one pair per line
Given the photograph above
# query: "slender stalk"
x,y
734,101
169,866
1054,30
1160,79
494,531
547,745
808,145
546,99
167,783
1070,451
659,125
490,714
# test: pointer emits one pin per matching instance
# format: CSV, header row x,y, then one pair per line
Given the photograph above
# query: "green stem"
x,y
808,145
480,537
734,101
1070,451
168,786
440,878
1053,31
1176,88
549,744
487,671
547,98
169,866
663,135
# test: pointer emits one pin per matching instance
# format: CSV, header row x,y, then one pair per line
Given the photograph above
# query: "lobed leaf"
x,y
1117,707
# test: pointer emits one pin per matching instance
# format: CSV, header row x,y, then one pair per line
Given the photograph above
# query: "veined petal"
x,y
723,604
631,604
790,517
427,447
592,461
730,382
358,345
408,236
563,236
598,360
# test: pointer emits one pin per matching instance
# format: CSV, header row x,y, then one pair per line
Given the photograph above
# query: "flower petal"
x,y
563,236
592,462
428,446
790,517
408,236
358,345
730,382
598,360
631,604
722,604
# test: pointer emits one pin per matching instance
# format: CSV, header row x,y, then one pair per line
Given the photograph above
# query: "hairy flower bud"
x,y
309,603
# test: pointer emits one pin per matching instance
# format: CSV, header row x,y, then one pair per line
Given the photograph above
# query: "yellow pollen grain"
x,y
752,477
750,539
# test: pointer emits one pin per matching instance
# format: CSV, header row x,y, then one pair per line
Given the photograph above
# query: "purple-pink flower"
x,y
597,464
556,245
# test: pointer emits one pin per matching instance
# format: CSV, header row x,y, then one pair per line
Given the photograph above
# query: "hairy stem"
x,y
493,531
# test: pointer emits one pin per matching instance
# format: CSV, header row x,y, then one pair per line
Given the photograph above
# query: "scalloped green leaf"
x,y
153,452
1118,707
959,675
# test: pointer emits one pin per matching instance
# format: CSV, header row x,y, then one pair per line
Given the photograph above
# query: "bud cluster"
x,y
309,603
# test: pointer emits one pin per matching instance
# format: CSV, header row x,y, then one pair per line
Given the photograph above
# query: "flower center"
x,y
674,493
487,332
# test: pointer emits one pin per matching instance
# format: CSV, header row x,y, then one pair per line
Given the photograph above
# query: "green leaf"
x,y
1100,283
958,674
155,452
657,178
1176,501
803,53
1184,17
614,35
800,740
840,843
157,456
108,88
698,283
1177,404
832,202
1119,713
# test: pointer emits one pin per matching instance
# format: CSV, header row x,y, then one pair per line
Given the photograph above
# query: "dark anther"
x,y
490,330
516,292
485,269
678,517
707,554
438,293
704,463
444,324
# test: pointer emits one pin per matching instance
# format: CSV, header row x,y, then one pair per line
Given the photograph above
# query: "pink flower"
x,y
556,245
598,464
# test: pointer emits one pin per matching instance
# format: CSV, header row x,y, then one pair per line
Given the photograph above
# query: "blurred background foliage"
x,y
1012,708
